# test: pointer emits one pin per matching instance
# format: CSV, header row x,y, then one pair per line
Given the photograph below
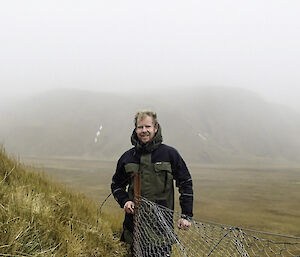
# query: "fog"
x,y
145,45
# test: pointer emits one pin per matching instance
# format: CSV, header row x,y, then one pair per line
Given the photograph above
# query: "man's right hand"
x,y
129,207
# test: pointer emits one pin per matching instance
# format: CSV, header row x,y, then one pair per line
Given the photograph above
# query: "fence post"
x,y
137,184
137,191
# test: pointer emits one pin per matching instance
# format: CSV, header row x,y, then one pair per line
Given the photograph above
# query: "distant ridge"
x,y
207,125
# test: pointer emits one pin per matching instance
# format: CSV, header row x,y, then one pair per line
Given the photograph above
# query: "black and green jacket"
x,y
159,165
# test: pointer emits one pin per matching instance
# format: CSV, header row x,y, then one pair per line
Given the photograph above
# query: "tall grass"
x,y
39,217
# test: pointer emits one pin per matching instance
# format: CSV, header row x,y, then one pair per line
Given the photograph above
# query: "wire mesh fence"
x,y
156,233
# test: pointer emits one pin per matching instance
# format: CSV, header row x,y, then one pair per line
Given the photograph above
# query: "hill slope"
x,y
205,125
41,218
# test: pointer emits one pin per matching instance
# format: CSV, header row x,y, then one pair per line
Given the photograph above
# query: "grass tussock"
x,y
39,217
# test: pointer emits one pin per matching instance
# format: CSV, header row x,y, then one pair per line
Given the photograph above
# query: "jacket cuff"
x,y
123,201
186,217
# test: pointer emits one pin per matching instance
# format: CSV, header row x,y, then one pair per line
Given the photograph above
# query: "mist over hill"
x,y
210,125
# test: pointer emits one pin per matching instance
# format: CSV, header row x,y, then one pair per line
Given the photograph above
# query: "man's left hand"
x,y
183,224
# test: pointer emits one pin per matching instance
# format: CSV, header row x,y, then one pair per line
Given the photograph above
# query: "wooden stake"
x,y
137,179
137,184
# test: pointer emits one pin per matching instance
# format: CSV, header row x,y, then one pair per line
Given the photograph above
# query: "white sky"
x,y
124,44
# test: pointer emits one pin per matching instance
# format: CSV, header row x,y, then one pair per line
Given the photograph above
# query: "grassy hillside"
x,y
39,217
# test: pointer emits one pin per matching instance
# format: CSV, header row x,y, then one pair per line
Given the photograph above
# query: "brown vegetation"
x,y
261,197
39,217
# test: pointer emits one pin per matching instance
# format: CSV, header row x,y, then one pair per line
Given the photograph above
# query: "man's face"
x,y
145,129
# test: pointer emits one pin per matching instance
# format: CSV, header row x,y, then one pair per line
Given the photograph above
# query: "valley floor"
x,y
263,198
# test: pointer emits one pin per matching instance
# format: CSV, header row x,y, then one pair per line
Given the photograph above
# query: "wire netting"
x,y
156,234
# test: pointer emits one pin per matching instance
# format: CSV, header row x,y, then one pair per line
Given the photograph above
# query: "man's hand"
x,y
129,207
183,224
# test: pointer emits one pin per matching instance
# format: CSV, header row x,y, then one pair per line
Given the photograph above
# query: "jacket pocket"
x,y
131,168
164,177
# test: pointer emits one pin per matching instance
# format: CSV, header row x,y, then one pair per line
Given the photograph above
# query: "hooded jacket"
x,y
159,165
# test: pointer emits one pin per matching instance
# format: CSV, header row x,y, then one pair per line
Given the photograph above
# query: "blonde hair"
x,y
143,113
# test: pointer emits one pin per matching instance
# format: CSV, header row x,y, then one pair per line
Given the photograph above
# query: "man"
x,y
159,165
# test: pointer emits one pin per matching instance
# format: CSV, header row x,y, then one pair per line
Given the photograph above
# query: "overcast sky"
x,y
124,44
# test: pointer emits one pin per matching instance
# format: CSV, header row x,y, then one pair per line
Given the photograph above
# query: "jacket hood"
x,y
149,146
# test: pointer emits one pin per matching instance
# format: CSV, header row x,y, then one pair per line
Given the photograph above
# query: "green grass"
x,y
40,217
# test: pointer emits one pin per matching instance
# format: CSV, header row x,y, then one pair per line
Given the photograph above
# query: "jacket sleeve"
x,y
119,183
184,183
